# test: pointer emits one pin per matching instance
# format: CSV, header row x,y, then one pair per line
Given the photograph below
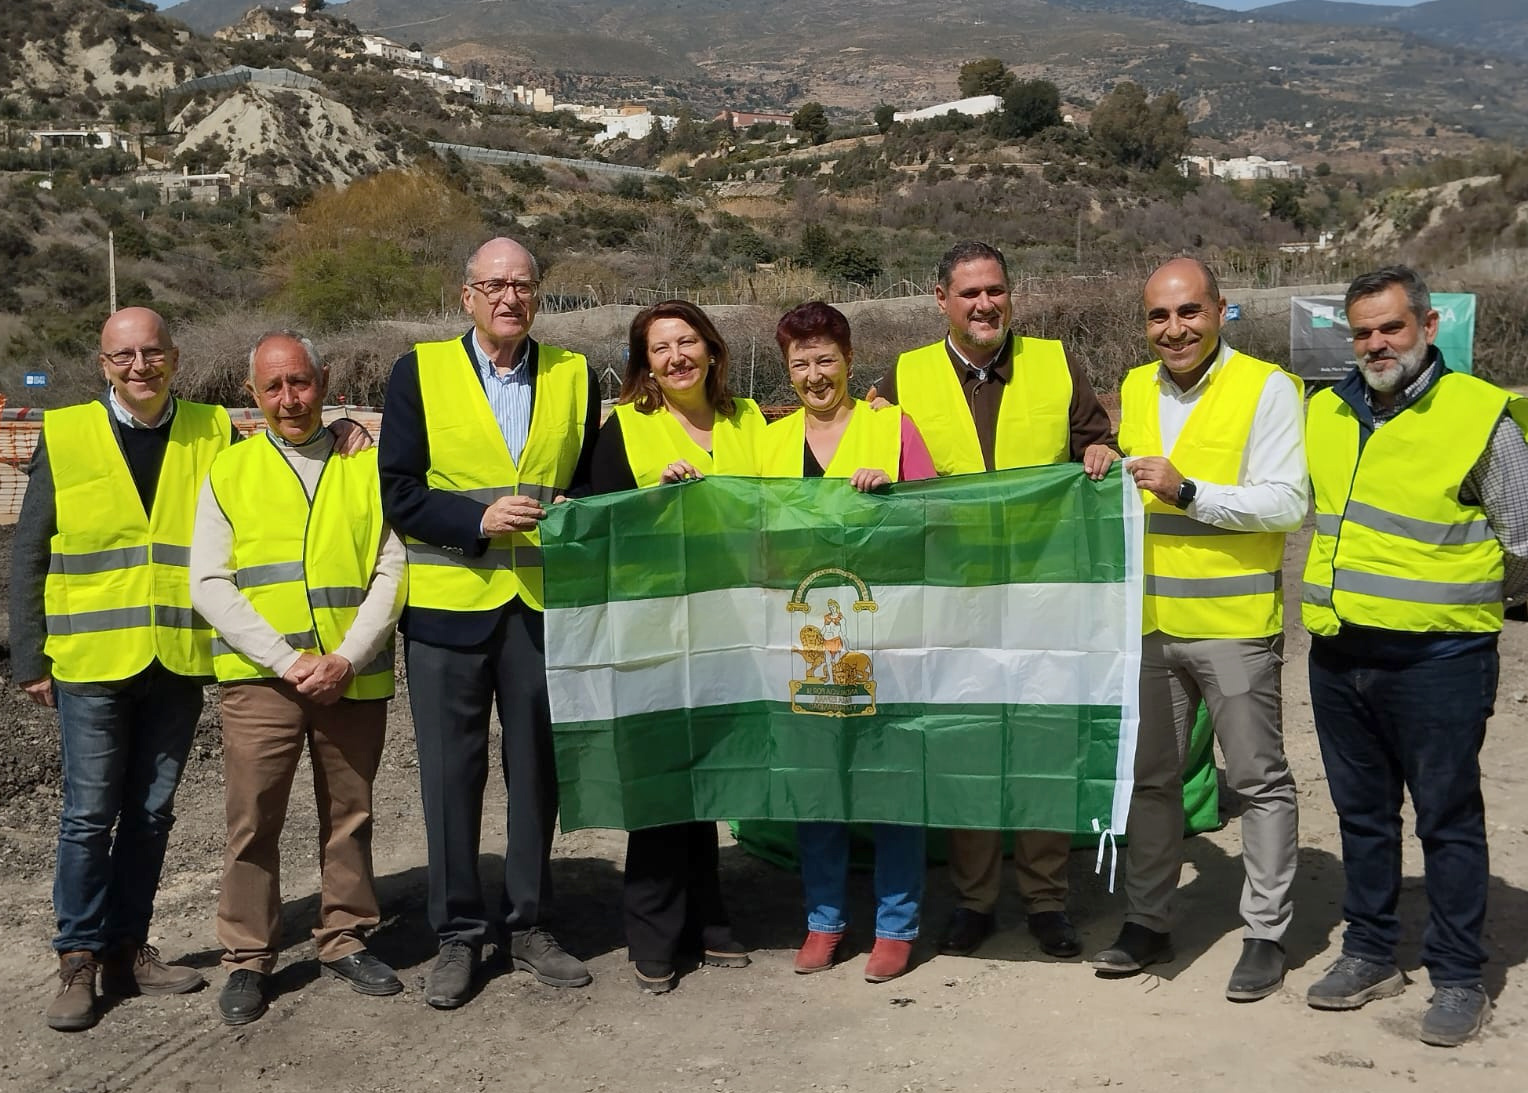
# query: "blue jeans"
x,y
1418,726
899,868
122,757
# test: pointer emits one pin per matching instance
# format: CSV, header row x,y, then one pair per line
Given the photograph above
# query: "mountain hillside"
x,y
1492,27
566,28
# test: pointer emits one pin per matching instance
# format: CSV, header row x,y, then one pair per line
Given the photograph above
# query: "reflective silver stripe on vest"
x,y
1415,591
99,561
1317,595
489,494
296,641
253,576
382,662
1430,532
1168,523
338,596
1328,523
492,558
169,554
182,618
1193,588
95,622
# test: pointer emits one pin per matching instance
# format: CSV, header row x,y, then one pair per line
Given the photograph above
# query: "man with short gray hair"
x,y
295,569
1420,477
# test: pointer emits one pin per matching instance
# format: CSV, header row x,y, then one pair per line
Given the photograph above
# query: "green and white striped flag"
x,y
960,652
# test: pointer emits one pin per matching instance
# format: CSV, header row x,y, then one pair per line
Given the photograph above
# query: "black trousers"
x,y
673,892
451,692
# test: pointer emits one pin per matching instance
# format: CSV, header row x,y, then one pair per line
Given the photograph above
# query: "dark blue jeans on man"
x,y
1386,724
124,747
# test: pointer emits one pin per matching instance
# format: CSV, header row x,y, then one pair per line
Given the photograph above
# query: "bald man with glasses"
x,y
484,431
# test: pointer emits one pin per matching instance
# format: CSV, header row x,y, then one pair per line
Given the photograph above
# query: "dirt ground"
x,y
1008,1018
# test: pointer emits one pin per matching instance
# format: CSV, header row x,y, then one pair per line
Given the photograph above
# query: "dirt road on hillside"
x,y
1006,1019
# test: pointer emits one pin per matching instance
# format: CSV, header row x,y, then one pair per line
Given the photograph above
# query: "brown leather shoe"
x,y
129,969
74,1007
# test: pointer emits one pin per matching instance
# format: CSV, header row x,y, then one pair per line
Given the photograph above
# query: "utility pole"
x,y
111,269
1079,238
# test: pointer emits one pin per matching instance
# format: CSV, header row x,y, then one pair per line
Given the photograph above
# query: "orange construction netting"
x,y
20,427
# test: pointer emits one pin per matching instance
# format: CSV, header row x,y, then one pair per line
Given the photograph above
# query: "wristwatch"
x,y
1186,493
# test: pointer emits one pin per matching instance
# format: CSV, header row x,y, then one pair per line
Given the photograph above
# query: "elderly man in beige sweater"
x,y
299,575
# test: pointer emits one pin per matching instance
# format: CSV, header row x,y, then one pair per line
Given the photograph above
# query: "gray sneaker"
x,y
1351,981
536,951
1456,1014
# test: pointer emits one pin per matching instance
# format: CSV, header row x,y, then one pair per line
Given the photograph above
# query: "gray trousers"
x,y
1239,682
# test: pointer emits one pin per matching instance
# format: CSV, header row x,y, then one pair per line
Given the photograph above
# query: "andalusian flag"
x,y
960,652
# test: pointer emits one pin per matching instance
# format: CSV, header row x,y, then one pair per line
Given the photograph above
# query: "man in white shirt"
x,y
1214,440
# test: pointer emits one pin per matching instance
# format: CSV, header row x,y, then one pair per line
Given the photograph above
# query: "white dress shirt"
x,y
1271,493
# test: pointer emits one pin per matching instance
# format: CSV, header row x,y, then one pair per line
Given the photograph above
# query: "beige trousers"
x,y
265,725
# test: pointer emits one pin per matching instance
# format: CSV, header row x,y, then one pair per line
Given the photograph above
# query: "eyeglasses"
x,y
152,354
495,288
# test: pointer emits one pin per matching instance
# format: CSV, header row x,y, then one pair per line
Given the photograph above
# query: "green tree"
x,y
1028,107
687,135
1137,132
371,277
816,245
812,120
988,76
853,262
884,115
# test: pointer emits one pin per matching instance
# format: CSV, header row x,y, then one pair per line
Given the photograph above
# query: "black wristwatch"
x,y
1186,493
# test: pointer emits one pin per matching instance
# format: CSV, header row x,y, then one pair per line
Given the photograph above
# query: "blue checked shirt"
x,y
509,396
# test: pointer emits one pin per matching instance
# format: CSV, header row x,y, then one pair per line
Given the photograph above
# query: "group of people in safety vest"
x,y
154,554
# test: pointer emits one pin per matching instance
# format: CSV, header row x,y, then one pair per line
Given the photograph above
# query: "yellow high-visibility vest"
x,y
873,438
1394,546
468,456
305,568
1203,581
1034,419
655,440
118,590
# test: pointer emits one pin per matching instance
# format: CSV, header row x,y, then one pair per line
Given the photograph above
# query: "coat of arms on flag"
x,y
838,679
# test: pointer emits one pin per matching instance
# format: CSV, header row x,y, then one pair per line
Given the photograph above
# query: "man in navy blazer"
x,y
466,468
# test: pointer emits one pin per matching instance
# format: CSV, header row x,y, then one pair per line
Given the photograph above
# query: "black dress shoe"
x,y
966,930
1258,973
243,997
365,974
1055,933
1137,947
655,976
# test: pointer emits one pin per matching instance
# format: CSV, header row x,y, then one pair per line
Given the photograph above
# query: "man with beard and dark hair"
x,y
1421,485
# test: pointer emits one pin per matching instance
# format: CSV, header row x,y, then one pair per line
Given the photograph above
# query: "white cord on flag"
x,y
1106,840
